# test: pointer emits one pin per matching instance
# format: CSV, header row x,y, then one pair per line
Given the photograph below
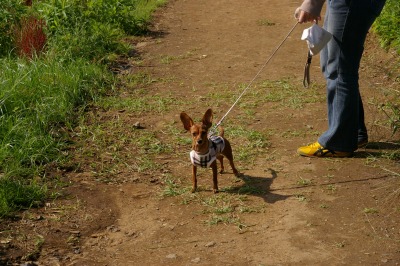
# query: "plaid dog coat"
x,y
216,145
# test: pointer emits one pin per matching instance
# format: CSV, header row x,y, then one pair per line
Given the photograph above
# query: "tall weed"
x,y
29,36
10,14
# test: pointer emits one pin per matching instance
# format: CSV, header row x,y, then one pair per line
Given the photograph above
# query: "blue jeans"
x,y
349,22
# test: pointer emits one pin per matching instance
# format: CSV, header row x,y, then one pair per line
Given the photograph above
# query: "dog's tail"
x,y
221,131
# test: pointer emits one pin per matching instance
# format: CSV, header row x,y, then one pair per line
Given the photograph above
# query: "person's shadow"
x,y
380,149
257,186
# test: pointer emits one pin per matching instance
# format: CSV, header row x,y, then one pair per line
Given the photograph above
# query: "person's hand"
x,y
303,16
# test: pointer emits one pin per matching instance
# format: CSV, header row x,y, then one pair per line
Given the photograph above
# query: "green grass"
x,y
387,25
221,208
140,104
224,219
331,188
105,151
39,100
388,30
370,210
226,207
251,142
43,99
137,80
304,182
284,92
172,188
93,29
14,195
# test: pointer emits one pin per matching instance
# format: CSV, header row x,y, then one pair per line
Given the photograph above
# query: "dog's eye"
x,y
194,134
203,133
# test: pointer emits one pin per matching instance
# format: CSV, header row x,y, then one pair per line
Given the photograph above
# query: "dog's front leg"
x,y
215,176
194,178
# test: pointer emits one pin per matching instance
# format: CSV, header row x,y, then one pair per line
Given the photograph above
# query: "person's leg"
x,y
349,22
362,133
375,7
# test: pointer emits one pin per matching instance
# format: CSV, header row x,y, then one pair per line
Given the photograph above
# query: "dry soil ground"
x,y
125,199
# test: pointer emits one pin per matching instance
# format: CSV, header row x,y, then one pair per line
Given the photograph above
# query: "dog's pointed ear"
x,y
207,118
186,121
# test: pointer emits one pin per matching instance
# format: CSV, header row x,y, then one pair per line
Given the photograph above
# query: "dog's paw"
x,y
237,174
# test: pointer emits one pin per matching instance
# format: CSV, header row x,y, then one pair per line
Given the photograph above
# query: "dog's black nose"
x,y
199,141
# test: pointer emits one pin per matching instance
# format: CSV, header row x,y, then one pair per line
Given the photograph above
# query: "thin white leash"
x,y
213,130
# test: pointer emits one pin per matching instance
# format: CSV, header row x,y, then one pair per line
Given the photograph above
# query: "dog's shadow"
x,y
257,186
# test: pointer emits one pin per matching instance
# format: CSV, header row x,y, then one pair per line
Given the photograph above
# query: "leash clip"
x,y
213,130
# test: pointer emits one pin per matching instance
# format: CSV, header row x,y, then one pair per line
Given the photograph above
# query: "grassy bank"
x,y
44,89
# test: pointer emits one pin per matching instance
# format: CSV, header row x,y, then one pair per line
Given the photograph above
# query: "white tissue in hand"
x,y
316,38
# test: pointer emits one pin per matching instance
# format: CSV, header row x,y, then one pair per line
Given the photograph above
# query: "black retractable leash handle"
x,y
306,79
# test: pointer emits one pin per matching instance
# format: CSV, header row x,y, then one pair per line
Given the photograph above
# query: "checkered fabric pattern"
x,y
217,145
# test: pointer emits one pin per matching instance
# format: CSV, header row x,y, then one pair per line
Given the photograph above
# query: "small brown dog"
x,y
206,150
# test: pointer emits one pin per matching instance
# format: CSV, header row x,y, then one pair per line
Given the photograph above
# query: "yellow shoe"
x,y
316,150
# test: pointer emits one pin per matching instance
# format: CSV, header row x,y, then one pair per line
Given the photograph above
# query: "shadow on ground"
x,y
258,186
379,150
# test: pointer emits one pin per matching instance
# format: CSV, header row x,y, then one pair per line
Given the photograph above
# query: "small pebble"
x,y
210,244
171,256
196,260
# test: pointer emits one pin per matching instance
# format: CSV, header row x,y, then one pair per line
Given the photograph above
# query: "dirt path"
x,y
285,210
